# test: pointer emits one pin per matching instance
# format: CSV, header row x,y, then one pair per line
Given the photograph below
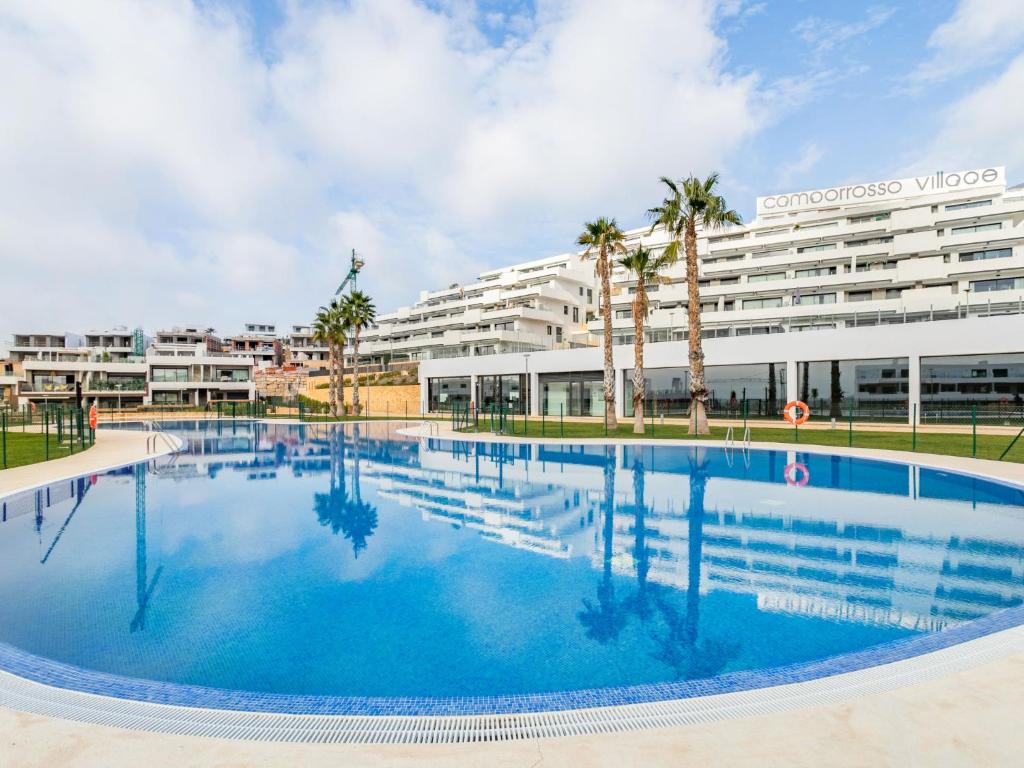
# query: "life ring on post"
x,y
796,474
93,416
805,412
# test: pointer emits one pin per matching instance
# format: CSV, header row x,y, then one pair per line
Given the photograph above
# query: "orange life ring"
x,y
93,416
796,474
805,412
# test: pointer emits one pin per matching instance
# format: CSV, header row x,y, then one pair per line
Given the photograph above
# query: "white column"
x,y
534,385
474,394
424,395
914,389
792,386
620,393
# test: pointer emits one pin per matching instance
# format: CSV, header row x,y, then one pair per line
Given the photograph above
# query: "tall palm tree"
x,y
329,329
604,236
360,314
647,269
691,202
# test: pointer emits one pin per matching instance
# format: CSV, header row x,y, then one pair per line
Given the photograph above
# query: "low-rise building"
x,y
304,351
259,341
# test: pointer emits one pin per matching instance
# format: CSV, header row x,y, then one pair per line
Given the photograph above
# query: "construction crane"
x,y
356,265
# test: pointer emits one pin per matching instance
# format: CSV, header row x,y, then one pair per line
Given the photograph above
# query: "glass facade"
x,y
873,389
954,388
572,394
667,390
446,393
170,374
509,392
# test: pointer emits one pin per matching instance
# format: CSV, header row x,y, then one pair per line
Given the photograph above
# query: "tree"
x,y
329,328
604,236
836,395
692,202
359,314
647,269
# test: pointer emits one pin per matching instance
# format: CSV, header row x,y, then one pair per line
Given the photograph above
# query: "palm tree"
x,y
329,329
605,237
647,269
359,314
691,202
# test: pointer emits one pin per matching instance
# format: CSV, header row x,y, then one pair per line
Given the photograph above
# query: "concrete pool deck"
x,y
968,716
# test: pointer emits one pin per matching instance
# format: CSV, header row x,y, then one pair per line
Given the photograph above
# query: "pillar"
x,y
620,393
534,386
792,385
474,391
914,389
424,395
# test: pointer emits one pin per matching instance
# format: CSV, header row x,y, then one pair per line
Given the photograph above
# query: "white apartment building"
x,y
304,351
181,366
536,305
880,272
259,341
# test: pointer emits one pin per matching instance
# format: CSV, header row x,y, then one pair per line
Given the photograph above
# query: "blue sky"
x,y
214,161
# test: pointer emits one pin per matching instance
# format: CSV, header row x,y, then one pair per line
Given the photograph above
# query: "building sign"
x,y
877,191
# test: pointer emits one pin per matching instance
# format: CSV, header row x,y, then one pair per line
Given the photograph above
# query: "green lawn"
x,y
989,446
28,448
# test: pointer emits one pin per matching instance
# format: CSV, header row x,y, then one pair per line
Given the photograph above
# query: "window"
x,y
170,374
858,296
575,314
766,254
813,248
869,217
565,309
1000,373
997,284
549,330
761,278
893,293
964,206
992,253
979,373
581,290
729,281
623,314
976,228
868,241
818,298
815,272
775,301
590,294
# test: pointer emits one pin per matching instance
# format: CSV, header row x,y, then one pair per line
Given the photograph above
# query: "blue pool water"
x,y
355,561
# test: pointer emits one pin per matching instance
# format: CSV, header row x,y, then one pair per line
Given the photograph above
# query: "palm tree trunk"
x,y
341,375
332,375
609,367
698,390
639,385
355,373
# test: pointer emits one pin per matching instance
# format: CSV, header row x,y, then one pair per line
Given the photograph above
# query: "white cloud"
x,y
823,35
154,168
978,33
981,129
810,156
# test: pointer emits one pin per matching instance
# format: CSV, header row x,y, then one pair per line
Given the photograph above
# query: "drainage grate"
x,y
27,696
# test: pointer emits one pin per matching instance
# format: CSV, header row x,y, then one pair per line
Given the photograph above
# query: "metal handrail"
x,y
730,437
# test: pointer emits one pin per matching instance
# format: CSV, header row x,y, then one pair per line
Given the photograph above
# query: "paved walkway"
x,y
113,448
970,718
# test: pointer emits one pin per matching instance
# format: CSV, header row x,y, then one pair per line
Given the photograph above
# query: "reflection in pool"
x,y
357,561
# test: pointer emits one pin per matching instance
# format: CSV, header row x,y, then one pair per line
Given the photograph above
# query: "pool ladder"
x,y
730,443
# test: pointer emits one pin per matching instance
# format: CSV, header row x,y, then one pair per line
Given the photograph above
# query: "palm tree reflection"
x,y
349,515
640,602
681,647
604,620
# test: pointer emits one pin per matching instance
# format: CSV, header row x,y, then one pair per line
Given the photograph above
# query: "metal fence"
x,y
58,430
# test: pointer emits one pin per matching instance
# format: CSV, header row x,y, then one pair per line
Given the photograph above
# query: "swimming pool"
x,y
355,569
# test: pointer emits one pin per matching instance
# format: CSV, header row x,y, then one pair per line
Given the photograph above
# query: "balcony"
x,y
103,385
